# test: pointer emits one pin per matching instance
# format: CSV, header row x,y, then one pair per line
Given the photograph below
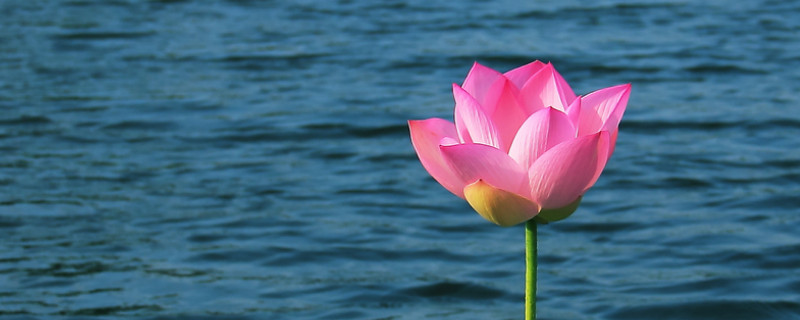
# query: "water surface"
x,y
250,160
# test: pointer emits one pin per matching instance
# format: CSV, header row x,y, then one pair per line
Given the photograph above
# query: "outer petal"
x,y
606,146
426,136
546,89
499,206
603,109
553,215
521,74
541,131
473,162
565,172
612,142
472,123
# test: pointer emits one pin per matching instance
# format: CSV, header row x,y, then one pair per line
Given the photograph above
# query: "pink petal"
x,y
426,136
541,131
521,74
574,112
508,114
499,206
565,172
472,123
607,141
498,98
545,89
603,109
566,91
612,142
484,84
448,141
473,162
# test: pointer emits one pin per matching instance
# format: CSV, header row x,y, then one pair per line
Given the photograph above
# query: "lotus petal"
x,y
603,109
565,90
565,172
574,112
541,131
484,84
426,137
502,207
553,215
544,89
509,112
521,74
473,162
472,123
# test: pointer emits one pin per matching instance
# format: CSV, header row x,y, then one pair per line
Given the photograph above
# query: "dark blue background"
x,y
250,160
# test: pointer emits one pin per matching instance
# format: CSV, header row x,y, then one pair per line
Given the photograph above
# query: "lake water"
x,y
250,160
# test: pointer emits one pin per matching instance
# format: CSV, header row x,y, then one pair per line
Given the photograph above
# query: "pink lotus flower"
x,y
523,145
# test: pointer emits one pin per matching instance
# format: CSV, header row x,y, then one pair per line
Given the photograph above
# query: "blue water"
x,y
250,160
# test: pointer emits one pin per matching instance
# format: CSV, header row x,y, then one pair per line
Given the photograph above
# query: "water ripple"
x,y
250,159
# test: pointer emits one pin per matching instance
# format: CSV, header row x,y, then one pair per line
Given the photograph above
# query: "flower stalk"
x,y
530,270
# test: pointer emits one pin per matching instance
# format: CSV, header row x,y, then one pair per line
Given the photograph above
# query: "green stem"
x,y
530,270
